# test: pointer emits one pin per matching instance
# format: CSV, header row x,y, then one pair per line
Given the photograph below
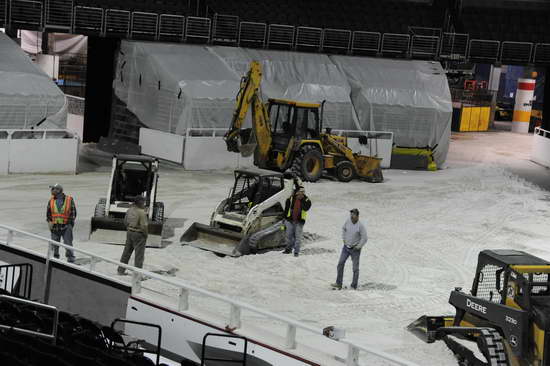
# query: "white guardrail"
x,y
236,307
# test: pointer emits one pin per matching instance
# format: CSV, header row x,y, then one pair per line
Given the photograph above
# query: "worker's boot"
x,y
336,286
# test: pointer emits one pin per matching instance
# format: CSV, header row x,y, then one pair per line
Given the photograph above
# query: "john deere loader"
x,y
131,176
250,219
506,315
287,135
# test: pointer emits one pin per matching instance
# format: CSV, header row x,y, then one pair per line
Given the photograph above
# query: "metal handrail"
x,y
183,299
52,336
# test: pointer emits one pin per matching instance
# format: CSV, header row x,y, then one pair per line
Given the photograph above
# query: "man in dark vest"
x,y
296,209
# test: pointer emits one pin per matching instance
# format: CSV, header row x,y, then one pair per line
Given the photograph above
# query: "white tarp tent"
x,y
409,98
27,95
175,87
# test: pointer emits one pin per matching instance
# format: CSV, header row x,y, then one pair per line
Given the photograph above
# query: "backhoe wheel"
x,y
490,343
308,163
158,212
345,171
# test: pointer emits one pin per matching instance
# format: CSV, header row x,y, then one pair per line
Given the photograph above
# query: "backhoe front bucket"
x,y
113,231
426,327
368,168
220,241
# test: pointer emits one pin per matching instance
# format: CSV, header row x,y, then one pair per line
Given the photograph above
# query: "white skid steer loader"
x,y
131,176
250,220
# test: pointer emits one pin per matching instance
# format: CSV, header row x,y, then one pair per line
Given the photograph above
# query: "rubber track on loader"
x,y
490,344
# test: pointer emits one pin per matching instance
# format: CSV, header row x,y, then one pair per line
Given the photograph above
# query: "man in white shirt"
x,y
354,236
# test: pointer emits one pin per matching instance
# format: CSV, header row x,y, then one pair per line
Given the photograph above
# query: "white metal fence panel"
x,y
117,22
483,50
171,27
542,53
336,39
59,14
424,46
516,52
252,33
280,35
310,37
454,46
395,44
26,14
198,28
144,25
88,20
225,28
366,42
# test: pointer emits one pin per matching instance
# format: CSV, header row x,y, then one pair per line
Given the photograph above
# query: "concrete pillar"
x,y
522,107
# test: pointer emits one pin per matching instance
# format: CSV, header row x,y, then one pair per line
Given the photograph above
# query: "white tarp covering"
x,y
61,44
409,98
27,95
174,87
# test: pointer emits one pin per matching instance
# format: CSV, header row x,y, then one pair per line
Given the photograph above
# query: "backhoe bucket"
x,y
368,168
426,327
220,241
113,231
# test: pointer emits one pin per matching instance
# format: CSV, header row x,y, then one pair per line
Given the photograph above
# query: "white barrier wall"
x,y
210,153
39,151
4,153
540,152
163,145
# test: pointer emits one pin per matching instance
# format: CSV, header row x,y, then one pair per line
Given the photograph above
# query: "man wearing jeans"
x,y
354,236
61,215
296,212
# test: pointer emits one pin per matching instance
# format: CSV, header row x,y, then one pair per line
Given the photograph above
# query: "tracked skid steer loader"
x,y
131,176
506,314
250,219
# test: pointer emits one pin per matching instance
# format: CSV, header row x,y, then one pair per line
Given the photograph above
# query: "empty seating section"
x,y
79,341
395,28
379,16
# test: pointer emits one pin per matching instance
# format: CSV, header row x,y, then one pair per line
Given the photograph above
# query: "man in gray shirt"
x,y
354,236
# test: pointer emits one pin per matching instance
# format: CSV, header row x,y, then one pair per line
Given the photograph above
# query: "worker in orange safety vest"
x,y
61,216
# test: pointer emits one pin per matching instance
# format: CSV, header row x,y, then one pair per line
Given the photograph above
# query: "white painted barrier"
x,y
39,151
4,153
205,149
540,152
163,145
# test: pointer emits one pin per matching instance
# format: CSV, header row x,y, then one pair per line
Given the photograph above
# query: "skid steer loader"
x,y
507,313
131,176
250,219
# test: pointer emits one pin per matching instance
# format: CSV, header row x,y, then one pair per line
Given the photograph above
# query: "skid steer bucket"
x,y
220,241
426,327
113,231
368,168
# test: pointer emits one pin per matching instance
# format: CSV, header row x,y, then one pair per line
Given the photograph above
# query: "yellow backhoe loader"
x,y
287,135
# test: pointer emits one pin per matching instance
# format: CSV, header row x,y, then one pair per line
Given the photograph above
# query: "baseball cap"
x,y
139,199
56,185
354,211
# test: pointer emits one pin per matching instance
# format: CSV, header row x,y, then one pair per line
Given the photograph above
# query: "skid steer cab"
x,y
250,219
131,176
507,313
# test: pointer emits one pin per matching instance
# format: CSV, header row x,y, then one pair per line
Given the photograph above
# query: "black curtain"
x,y
99,84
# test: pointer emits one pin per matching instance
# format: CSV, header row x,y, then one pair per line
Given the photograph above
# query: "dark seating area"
x,y
379,16
518,25
79,342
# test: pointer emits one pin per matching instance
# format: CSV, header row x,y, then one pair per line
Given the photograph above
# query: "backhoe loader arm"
x,y
244,140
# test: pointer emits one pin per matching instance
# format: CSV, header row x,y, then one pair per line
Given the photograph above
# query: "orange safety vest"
x,y
61,216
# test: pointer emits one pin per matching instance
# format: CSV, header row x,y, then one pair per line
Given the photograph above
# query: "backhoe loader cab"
x,y
287,135
131,176
507,312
